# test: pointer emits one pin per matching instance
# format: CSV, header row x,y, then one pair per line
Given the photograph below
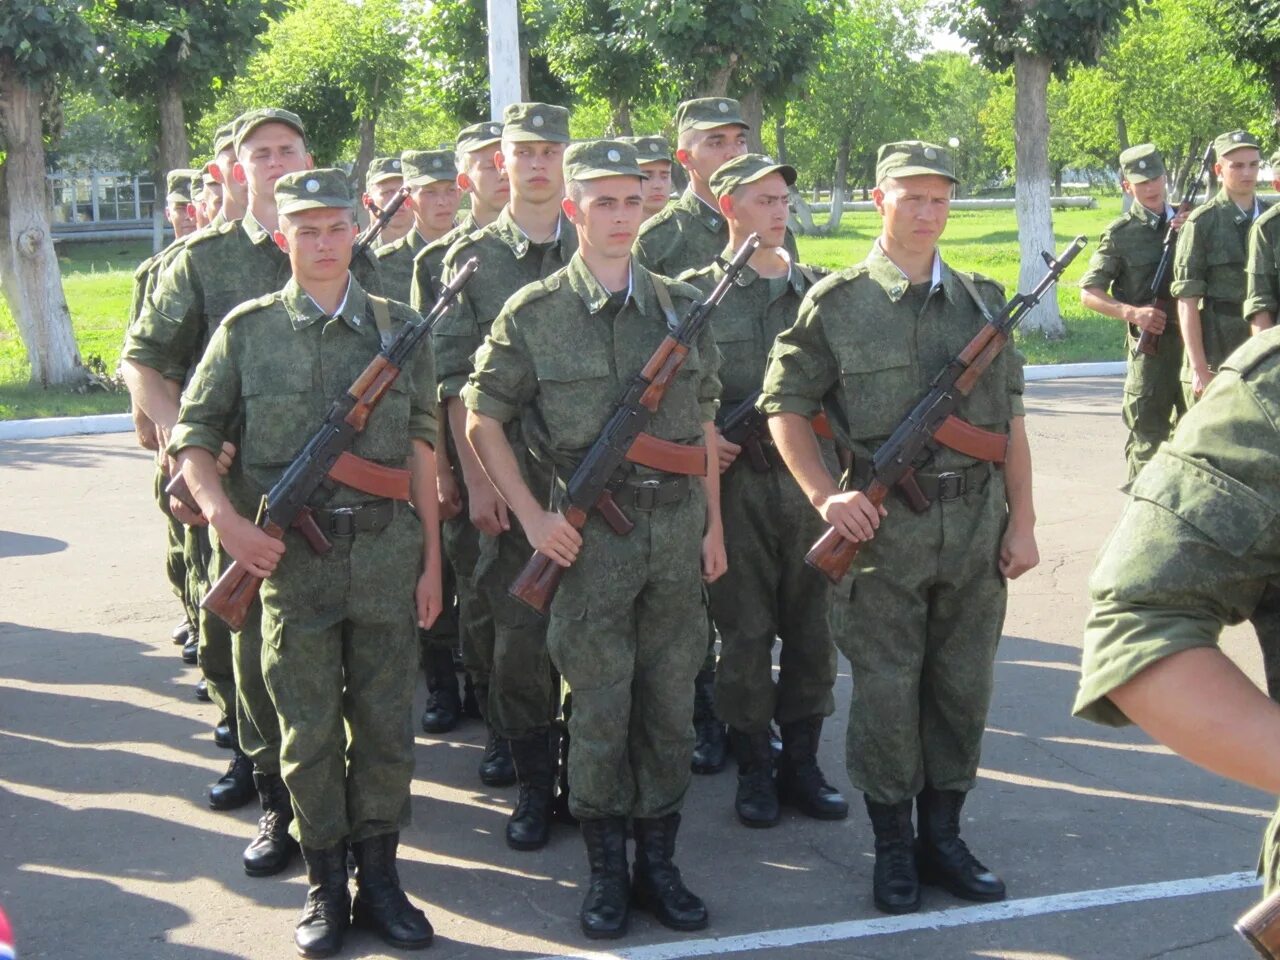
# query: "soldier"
x,y
1194,550
432,204
177,202
1209,268
382,182
1118,285
626,625
235,192
211,193
338,628
530,240
921,619
655,161
1262,279
769,591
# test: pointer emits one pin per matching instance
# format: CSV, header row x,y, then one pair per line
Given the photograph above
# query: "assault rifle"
x,y
747,427
381,219
1149,343
932,421
597,476
324,458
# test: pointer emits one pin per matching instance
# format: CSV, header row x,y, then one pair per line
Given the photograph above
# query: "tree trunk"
x,y
1122,130
620,123
364,156
753,113
838,188
780,135
174,151
1273,76
717,82
1031,190
28,266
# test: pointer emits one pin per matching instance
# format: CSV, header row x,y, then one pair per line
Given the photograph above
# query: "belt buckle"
x,y
950,486
646,494
342,522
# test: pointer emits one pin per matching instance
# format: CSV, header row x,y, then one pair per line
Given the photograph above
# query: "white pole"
x,y
504,55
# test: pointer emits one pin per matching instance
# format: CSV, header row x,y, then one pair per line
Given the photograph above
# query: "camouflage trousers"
x,y
175,564
769,593
214,651
1223,329
920,627
339,652
461,542
627,632
1153,397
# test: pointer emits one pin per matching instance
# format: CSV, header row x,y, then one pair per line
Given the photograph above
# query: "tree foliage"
x,y
1065,31
1250,30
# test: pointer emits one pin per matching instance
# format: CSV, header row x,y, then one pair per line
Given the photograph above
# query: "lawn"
x,y
98,279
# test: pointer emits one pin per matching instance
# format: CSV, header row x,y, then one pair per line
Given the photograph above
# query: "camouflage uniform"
x,y
1197,546
395,263
1262,279
1123,265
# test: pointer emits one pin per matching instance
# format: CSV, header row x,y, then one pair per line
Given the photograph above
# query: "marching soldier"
x,y
177,202
655,160
235,190
338,628
211,193
626,625
1262,279
923,613
382,182
769,591
1118,284
432,204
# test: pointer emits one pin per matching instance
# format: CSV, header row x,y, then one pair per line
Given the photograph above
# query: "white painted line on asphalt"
x,y
936,920
1059,371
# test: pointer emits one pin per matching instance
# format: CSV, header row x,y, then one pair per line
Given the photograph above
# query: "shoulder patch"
x,y
248,307
835,279
533,292
389,249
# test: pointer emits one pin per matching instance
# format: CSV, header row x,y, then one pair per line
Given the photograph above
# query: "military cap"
x,y
428,166
1141,163
650,149
207,177
225,137
535,121
177,185
707,113
251,121
479,135
197,184
383,168
914,158
592,159
745,169
1234,140
313,189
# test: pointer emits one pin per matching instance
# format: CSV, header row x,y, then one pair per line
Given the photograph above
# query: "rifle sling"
x,y
369,477
678,458
381,319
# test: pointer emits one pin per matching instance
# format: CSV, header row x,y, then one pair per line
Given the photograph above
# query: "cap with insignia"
x,y
383,168
650,149
1141,163
421,167
593,159
225,137
251,121
1234,140
177,185
914,158
313,189
535,121
479,135
707,113
745,169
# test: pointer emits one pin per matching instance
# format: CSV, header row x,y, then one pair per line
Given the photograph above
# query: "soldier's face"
x,y
1151,194
181,217
657,189
485,180
759,207
197,210
914,210
212,199
708,150
1239,170
435,205
534,169
318,243
382,193
607,212
223,169
267,154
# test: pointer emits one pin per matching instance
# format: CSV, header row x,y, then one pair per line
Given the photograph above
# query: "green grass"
x,y
98,280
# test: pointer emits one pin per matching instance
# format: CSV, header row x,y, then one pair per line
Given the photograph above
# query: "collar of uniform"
x,y
700,210
749,276
584,283
1149,218
303,311
256,231
1238,216
506,228
894,281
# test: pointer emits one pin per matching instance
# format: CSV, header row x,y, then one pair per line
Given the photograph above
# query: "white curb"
x,y
1060,371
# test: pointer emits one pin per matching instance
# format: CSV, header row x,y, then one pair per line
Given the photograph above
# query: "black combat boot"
x,y
529,827
895,885
496,767
656,885
943,859
327,913
191,648
607,905
800,781
560,754
235,787
224,735
202,690
272,849
756,801
380,905
710,741
444,702
180,633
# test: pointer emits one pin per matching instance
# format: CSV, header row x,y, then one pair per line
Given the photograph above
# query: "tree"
x,y
42,44
961,91
1251,32
1037,38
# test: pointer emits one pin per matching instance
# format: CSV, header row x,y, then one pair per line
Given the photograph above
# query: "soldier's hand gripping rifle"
x,y
1149,343
381,219
746,427
592,483
324,459
932,421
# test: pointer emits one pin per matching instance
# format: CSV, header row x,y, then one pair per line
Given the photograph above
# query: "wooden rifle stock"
x,y
1148,342
538,579
236,590
1260,927
833,553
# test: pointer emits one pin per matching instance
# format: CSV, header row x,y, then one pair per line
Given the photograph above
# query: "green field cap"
x,y
383,168
207,177
592,159
914,158
225,137
535,121
313,189
479,135
650,149
254,119
428,166
745,169
707,113
177,185
1141,163
197,184
1224,143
